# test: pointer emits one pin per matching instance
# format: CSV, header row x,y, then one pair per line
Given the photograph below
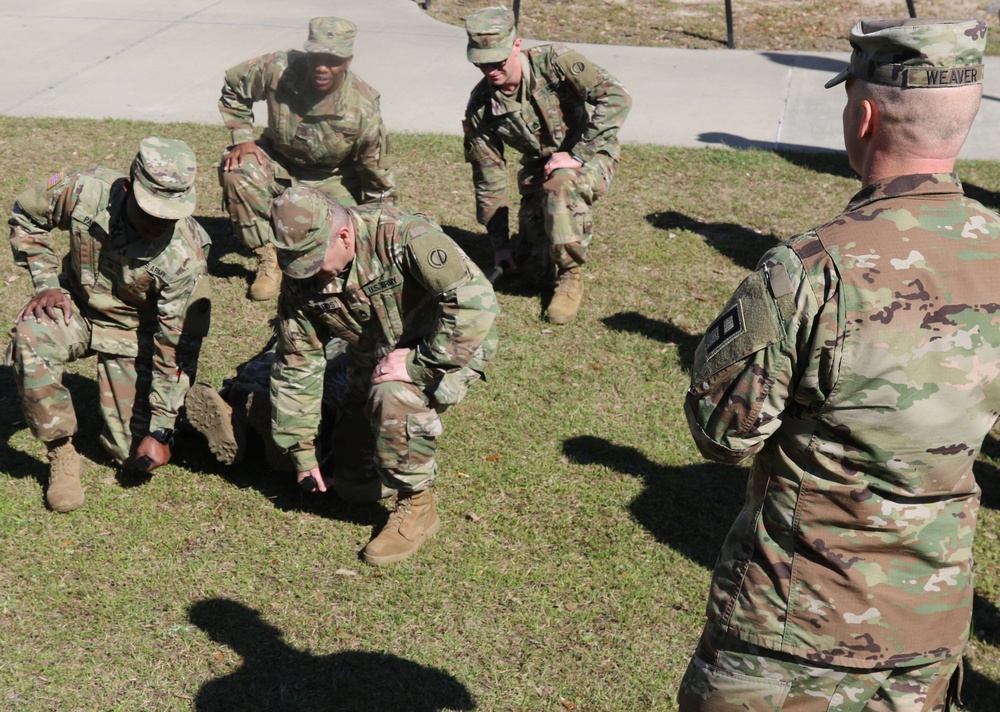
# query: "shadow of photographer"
x,y
274,676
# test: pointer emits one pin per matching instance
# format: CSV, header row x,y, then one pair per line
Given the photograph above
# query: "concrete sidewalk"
x,y
134,59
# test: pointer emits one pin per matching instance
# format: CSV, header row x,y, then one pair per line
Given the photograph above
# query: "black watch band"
x,y
163,436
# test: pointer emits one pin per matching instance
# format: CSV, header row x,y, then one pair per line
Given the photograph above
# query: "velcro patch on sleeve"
x,y
198,312
747,325
578,70
439,260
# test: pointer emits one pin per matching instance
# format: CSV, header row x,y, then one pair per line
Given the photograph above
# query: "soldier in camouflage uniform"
x,y
859,365
418,318
324,130
134,290
562,112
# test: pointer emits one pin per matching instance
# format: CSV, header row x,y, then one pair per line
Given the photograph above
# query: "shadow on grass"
x,y
477,246
224,242
85,402
662,331
989,198
688,508
814,158
740,244
275,676
979,693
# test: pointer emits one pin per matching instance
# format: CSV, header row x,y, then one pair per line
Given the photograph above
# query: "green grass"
x,y
803,25
580,522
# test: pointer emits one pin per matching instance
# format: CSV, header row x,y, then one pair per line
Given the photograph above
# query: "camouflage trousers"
x,y
247,192
39,353
392,432
555,225
746,678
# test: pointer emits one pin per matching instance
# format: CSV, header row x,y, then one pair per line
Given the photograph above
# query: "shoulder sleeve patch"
x,y
439,261
747,325
578,70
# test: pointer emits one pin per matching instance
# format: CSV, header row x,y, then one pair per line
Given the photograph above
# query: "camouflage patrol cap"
x,y
491,35
331,35
163,178
301,224
916,53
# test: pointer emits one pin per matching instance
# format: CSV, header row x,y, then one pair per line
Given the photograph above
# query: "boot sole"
x,y
560,320
206,411
393,558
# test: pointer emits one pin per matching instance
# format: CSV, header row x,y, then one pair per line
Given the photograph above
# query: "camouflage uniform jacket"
x,y
314,135
860,363
565,103
121,284
409,286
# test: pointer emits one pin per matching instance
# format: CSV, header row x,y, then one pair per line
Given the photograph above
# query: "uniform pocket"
x,y
709,688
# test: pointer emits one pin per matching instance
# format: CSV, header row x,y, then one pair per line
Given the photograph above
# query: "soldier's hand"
x,y
318,483
392,368
504,259
239,152
45,303
157,452
560,159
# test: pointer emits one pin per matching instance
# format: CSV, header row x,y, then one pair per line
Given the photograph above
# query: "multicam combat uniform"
x,y
337,143
408,286
860,364
142,307
564,103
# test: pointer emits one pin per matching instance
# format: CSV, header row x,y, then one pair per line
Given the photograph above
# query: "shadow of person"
x,y
662,331
274,676
477,246
989,198
979,693
814,158
740,244
224,242
830,65
688,508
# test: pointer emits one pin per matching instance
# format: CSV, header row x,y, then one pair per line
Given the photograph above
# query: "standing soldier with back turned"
x,y
562,112
859,365
324,130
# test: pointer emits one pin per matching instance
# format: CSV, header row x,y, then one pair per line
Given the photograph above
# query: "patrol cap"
x,y
163,178
331,35
916,53
491,35
301,225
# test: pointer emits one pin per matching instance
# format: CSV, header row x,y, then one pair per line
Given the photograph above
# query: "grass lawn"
x,y
701,24
580,523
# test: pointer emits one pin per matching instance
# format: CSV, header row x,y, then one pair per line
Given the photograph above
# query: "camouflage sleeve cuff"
x,y
162,422
48,279
304,460
242,134
421,375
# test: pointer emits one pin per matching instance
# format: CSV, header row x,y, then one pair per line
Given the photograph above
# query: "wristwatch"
x,y
165,436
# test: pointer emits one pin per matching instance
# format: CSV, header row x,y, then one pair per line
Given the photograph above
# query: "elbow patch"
x,y
198,311
439,261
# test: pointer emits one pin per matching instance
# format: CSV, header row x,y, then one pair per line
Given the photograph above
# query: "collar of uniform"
x,y
912,184
504,104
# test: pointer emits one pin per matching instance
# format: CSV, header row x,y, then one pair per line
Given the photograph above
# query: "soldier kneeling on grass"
x,y
417,316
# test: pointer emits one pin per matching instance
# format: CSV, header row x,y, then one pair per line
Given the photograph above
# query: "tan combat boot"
x,y
268,281
65,467
414,520
211,416
567,297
